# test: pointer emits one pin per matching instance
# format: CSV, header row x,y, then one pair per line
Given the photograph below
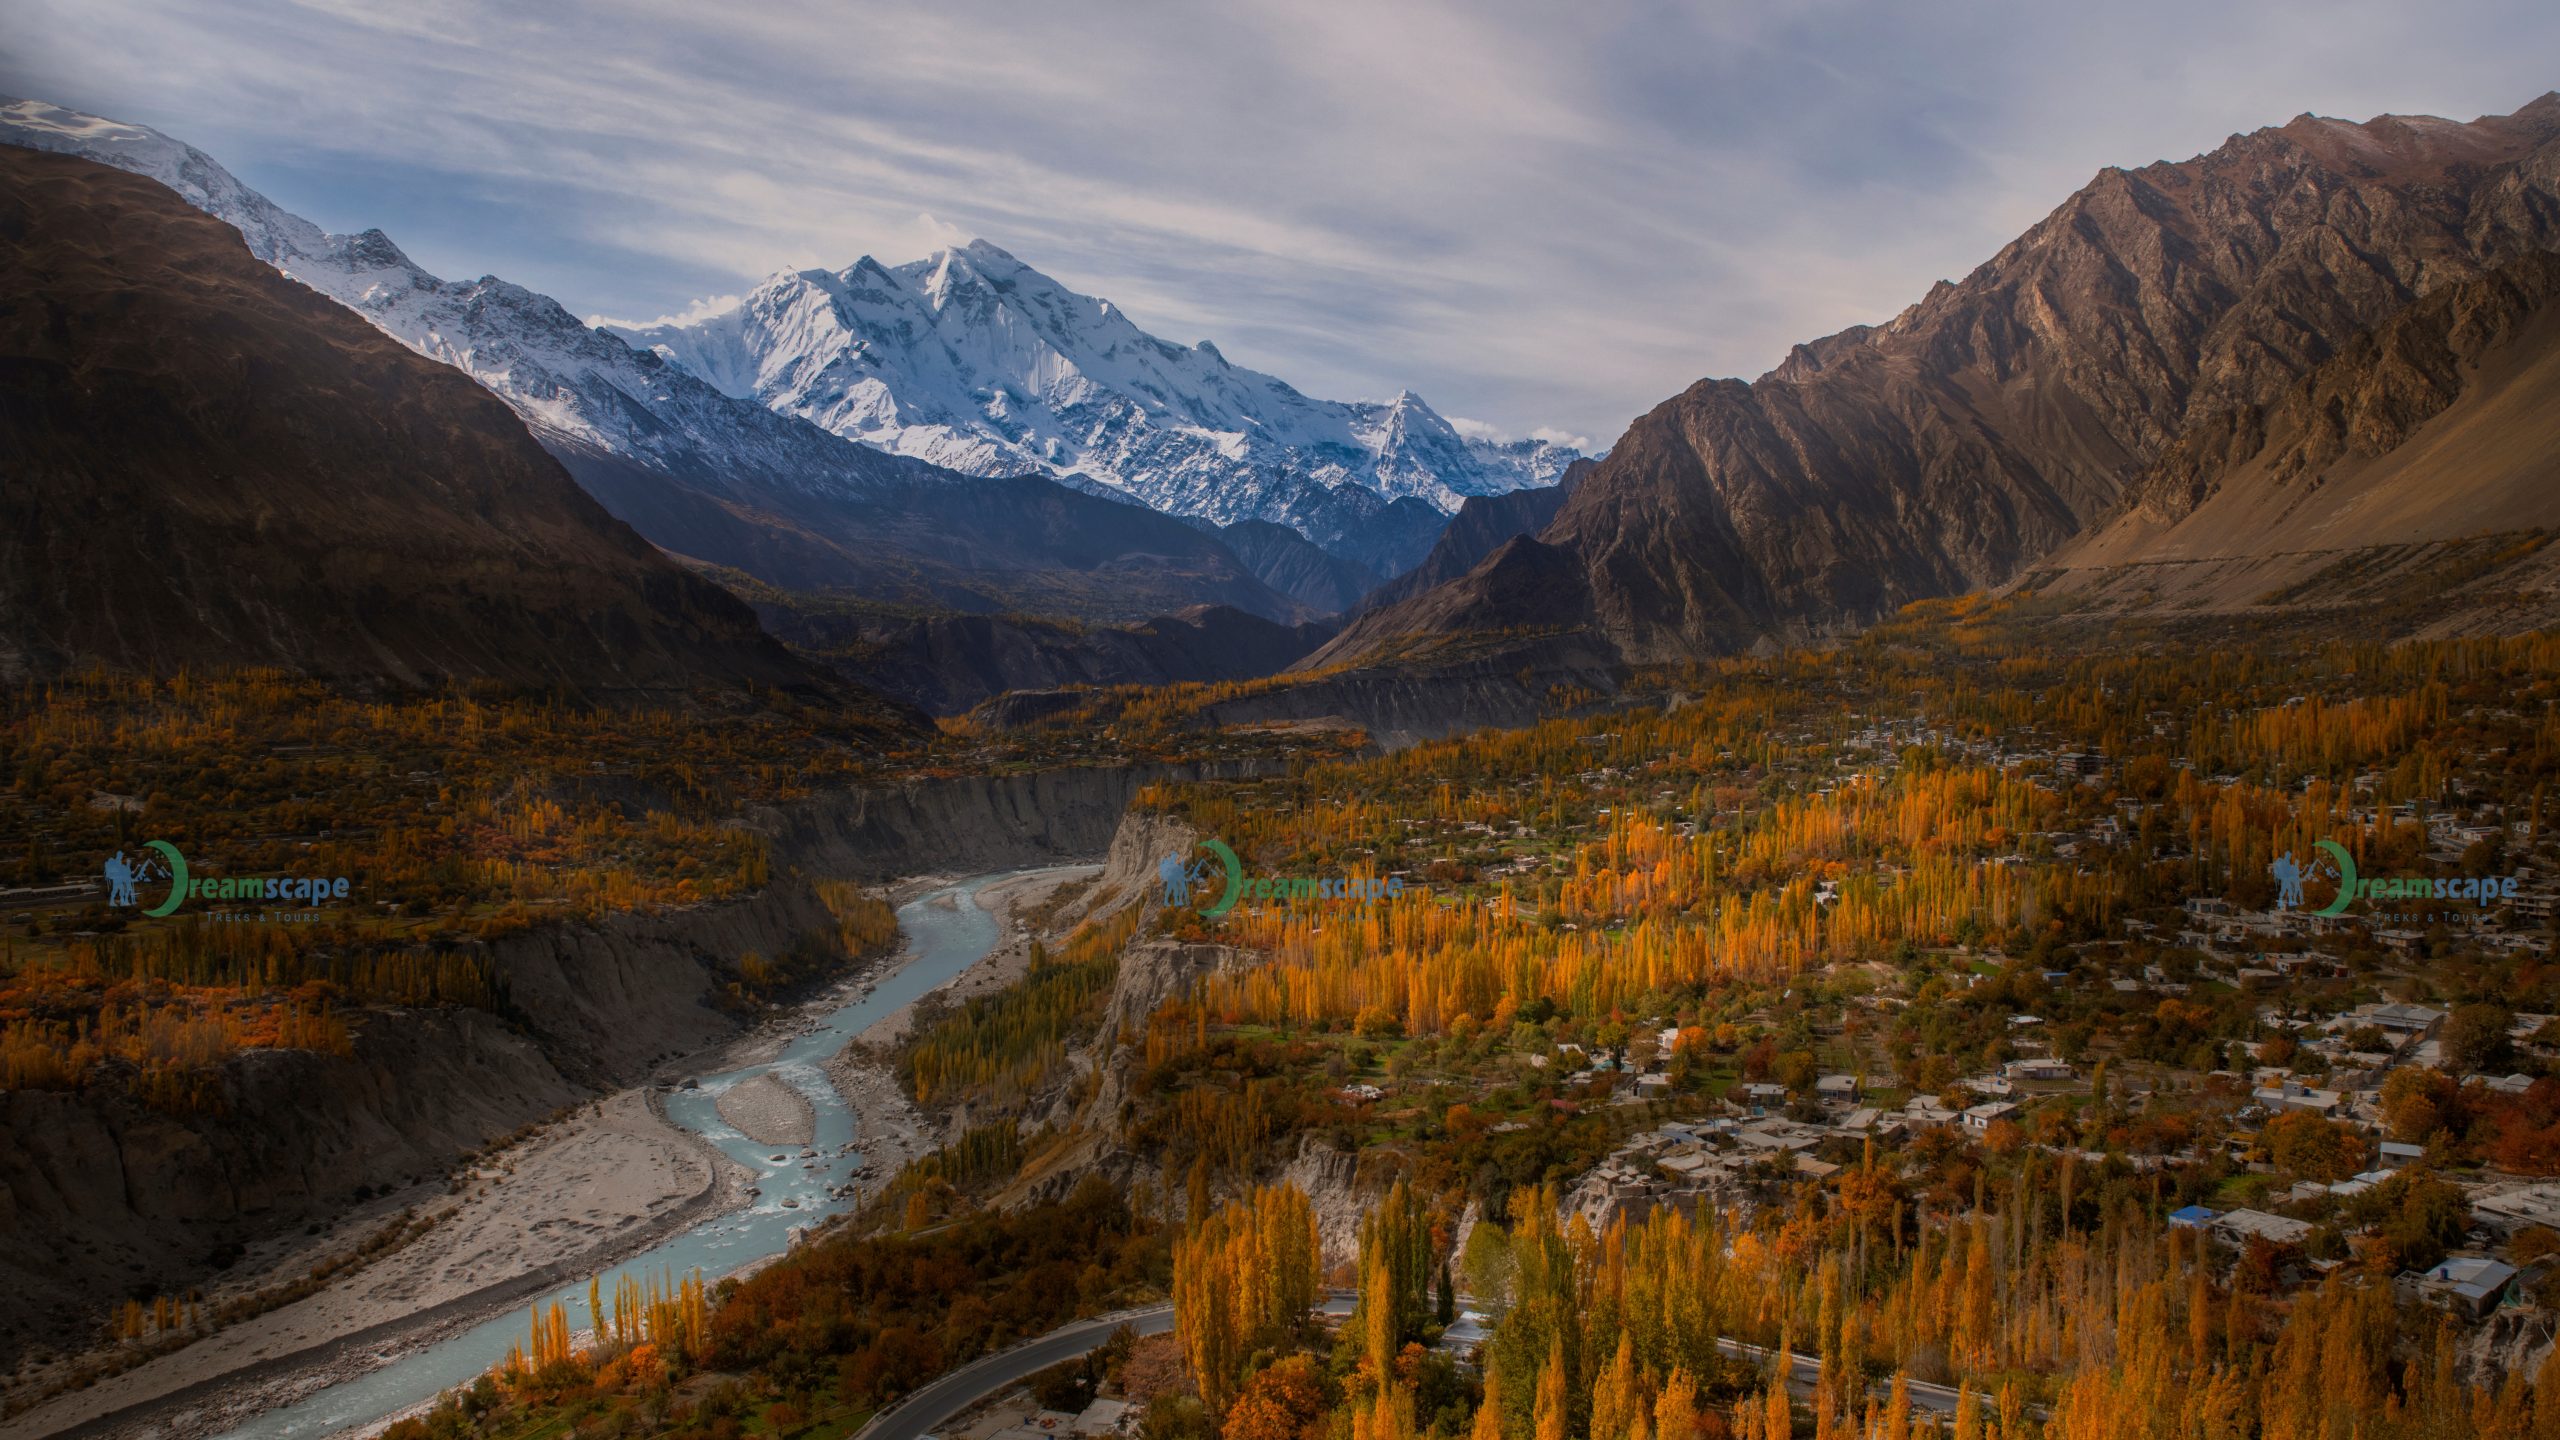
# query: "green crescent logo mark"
x,y
177,876
1235,876
2346,878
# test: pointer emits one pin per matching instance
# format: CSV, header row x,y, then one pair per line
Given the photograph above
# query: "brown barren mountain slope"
x,y
2004,414
2421,437
210,466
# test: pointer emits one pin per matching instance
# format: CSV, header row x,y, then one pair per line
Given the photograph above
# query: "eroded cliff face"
x,y
102,1196
965,824
1341,1185
607,1002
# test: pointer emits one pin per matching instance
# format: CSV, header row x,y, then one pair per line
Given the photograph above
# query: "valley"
x,y
894,856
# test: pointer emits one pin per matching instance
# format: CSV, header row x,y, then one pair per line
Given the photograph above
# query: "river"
x,y
946,932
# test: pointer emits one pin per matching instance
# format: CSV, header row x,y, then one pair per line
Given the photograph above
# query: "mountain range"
x,y
977,362
2129,353
704,475
841,432
2197,386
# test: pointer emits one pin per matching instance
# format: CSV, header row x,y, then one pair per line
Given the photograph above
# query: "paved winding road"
x,y
936,1403
1804,1372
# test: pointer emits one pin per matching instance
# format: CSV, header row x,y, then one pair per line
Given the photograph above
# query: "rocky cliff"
x,y
2406,480
2007,412
101,1196
946,664
964,824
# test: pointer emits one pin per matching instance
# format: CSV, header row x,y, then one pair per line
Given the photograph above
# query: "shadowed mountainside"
x,y
212,466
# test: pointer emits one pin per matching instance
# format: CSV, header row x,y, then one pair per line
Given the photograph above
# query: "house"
x,y
2042,1067
2399,1019
1979,1118
2396,1153
1764,1093
1689,1165
1837,1087
1778,1138
2294,1095
2473,1284
2236,1226
2515,1207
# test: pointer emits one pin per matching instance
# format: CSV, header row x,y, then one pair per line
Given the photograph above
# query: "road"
x,y
936,1403
1804,1372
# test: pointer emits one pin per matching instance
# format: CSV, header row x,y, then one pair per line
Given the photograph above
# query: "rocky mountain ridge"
x,y
978,362
698,472
212,466
2007,413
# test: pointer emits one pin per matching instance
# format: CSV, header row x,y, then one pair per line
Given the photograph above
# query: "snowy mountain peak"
x,y
272,233
576,387
974,359
969,358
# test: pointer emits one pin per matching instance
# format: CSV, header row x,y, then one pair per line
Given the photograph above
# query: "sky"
x,y
1541,217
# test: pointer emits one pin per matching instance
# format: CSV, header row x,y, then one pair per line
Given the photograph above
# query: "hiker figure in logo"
x,y
120,880
123,875
2288,882
1178,878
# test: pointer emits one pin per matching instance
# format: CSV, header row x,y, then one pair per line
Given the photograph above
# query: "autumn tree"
x,y
2307,1146
1283,1401
1243,1280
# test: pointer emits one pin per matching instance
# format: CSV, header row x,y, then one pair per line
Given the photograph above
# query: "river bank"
x,y
609,1181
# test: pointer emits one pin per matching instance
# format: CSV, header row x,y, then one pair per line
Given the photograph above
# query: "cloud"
x,y
1550,216
702,308
1480,430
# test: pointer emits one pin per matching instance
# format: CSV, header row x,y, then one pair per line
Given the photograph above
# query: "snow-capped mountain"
x,y
577,388
976,361
703,473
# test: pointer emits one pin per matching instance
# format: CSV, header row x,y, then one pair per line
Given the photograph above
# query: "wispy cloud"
x,y
1552,216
